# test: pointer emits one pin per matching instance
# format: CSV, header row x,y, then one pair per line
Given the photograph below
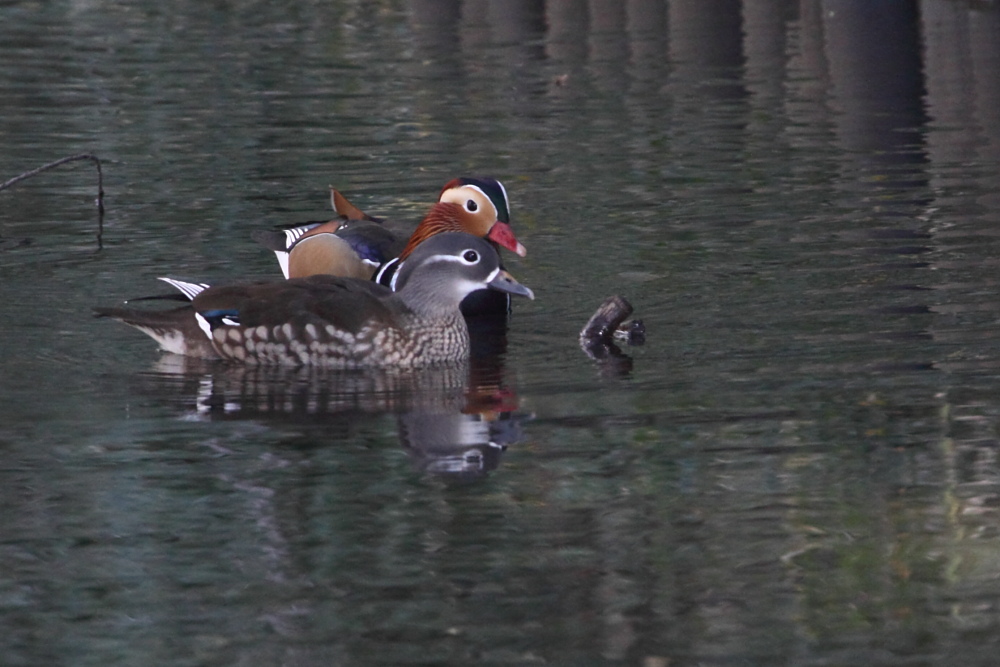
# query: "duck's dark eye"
x,y
471,206
471,256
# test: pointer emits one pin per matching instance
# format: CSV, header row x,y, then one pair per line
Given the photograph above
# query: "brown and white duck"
x,y
336,322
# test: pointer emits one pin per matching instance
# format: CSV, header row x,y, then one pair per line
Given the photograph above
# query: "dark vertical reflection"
x,y
766,76
963,94
807,61
877,92
567,22
511,31
512,21
436,81
706,88
984,45
765,45
608,46
963,144
874,52
646,25
435,27
648,108
706,40
483,58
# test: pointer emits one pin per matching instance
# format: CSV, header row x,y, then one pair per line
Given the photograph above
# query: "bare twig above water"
x,y
62,161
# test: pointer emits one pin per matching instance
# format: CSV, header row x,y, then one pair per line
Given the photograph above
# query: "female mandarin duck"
x,y
355,246
336,322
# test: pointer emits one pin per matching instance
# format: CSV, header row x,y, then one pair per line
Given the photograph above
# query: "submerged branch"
x,y
72,158
606,324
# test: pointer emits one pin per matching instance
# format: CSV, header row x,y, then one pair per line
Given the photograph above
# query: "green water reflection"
x,y
800,466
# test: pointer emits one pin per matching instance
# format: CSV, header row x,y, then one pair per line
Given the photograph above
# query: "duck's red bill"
x,y
502,234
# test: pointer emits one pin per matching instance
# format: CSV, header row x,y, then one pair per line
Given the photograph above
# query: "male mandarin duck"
x,y
336,322
346,246
356,246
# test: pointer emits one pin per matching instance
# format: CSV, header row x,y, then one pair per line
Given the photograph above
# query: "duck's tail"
x,y
176,330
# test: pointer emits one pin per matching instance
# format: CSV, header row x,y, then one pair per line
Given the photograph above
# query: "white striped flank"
x,y
293,234
282,261
203,324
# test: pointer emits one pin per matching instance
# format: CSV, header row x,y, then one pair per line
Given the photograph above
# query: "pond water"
x,y
800,466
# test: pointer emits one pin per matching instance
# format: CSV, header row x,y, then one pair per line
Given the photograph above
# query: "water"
x,y
799,467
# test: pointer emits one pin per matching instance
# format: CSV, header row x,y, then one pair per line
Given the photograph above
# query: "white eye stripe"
x,y
506,201
503,191
487,197
469,270
455,258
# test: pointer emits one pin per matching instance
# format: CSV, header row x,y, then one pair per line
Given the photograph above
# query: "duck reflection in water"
x,y
454,420
322,342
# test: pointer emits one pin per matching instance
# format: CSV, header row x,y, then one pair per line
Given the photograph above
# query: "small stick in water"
x,y
72,158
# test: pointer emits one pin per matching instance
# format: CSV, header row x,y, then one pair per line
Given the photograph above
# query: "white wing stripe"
x,y
190,290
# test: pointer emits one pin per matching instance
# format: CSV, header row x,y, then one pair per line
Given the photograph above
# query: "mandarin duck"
x,y
336,322
356,246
